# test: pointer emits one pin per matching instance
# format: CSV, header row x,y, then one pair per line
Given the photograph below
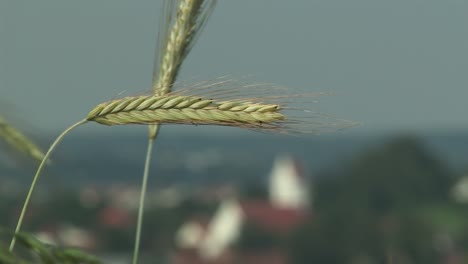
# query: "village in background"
x,y
329,200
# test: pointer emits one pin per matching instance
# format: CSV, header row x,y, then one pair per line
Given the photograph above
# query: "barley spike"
x,y
180,109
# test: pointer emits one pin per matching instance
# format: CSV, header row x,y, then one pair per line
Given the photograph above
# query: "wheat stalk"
x,y
179,109
18,140
36,177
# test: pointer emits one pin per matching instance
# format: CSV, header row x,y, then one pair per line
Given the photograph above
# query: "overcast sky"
x,y
394,65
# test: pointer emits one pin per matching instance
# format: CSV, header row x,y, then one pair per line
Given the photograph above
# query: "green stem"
x,y
154,132
36,176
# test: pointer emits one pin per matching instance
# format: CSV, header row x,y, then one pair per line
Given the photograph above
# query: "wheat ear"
x,y
36,177
191,16
178,109
18,140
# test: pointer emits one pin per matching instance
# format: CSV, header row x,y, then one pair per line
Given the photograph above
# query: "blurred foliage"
x,y
391,206
398,174
32,250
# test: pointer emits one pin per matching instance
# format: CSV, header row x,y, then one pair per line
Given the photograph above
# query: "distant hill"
x,y
208,159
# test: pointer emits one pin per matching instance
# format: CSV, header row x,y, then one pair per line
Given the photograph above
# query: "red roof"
x,y
273,218
186,256
114,217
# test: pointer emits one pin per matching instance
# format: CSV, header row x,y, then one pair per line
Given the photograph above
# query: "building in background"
x,y
252,230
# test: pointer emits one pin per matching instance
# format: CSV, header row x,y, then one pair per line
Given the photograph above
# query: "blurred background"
x,y
392,190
